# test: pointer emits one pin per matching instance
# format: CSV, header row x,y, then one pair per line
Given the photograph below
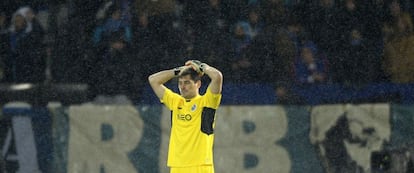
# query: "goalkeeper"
x,y
193,115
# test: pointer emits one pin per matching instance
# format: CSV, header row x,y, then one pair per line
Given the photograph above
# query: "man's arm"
x,y
157,80
216,77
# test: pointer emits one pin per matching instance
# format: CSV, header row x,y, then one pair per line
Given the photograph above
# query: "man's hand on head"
x,y
197,65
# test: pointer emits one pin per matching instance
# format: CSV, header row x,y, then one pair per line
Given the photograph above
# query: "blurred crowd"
x,y
113,45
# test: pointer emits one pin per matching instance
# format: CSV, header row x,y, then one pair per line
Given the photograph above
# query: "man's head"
x,y
189,83
20,22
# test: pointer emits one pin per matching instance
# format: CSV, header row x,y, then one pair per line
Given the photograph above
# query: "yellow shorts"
x,y
193,169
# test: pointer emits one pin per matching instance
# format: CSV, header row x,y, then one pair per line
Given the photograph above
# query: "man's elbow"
x,y
151,79
217,76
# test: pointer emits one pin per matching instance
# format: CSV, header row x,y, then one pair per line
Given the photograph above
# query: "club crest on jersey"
x,y
194,107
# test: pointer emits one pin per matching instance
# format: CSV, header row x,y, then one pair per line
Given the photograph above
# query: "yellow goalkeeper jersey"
x,y
192,128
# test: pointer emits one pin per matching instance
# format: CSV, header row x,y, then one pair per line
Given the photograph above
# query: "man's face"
x,y
307,55
188,88
19,22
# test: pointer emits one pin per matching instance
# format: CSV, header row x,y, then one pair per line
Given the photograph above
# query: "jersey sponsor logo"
x,y
184,117
194,107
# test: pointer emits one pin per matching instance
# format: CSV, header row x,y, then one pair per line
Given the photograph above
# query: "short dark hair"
x,y
193,74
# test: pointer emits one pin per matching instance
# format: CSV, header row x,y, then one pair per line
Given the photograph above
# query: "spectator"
x,y
146,47
320,24
114,74
362,67
272,52
296,33
26,57
282,55
210,27
393,13
112,23
399,53
161,18
274,13
124,10
349,32
103,9
241,66
72,53
255,21
143,43
126,13
33,24
310,67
